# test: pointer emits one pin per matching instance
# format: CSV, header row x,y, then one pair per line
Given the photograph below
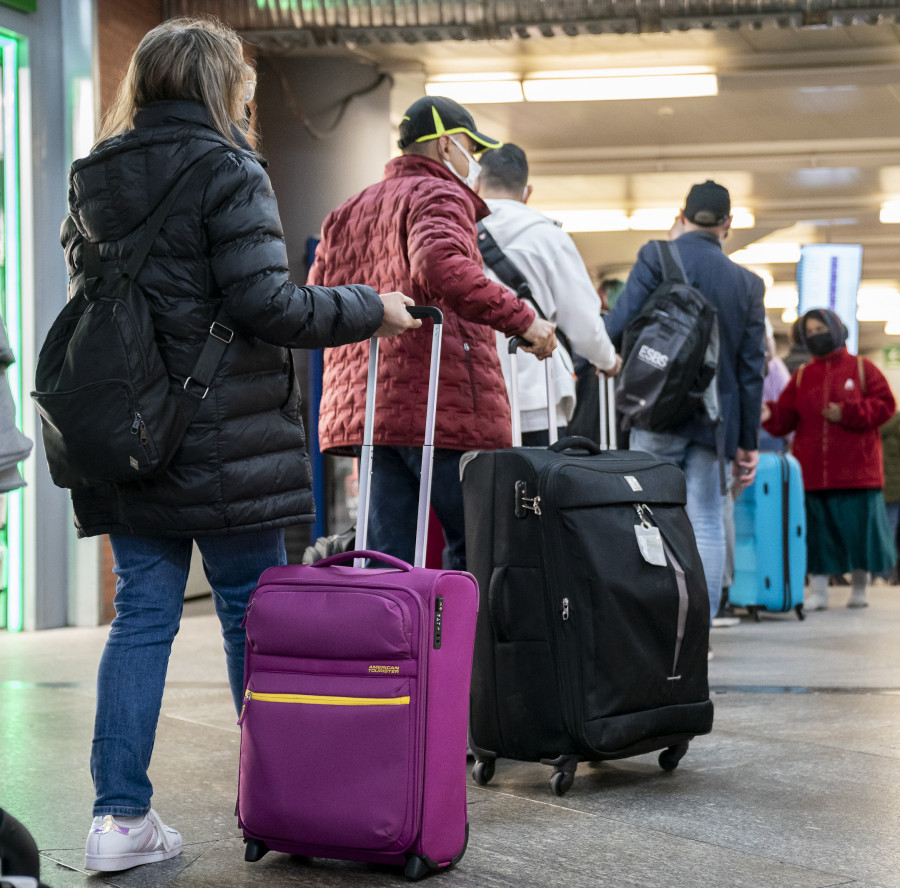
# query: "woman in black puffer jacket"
x,y
242,473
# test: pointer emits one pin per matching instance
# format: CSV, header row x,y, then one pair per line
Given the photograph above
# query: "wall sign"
x,y
24,5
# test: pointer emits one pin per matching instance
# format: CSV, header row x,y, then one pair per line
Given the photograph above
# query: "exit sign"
x,y
24,5
891,356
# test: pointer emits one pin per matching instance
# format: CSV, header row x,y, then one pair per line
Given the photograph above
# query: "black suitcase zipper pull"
x,y
526,504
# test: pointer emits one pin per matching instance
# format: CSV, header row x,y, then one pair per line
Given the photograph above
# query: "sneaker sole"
x,y
119,862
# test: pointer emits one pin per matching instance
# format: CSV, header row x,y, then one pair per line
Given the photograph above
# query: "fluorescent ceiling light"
x,y
661,218
653,219
782,296
892,327
647,219
477,89
576,86
741,217
789,315
878,303
767,254
597,86
890,211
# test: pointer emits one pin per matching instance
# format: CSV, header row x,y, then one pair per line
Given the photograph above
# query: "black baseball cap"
x,y
708,204
433,116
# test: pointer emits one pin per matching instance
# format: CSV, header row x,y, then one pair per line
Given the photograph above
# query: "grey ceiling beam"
x,y
317,23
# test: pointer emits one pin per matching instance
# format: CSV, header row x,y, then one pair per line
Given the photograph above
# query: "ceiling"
x,y
805,130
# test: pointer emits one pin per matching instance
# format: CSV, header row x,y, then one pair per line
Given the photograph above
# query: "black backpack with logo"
x,y
110,412
670,353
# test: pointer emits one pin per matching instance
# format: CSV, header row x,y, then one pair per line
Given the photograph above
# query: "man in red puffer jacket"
x,y
415,232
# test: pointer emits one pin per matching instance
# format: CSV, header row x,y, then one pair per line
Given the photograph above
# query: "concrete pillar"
x,y
314,164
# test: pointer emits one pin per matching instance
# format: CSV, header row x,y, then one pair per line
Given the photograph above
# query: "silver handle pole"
x,y
365,459
551,401
604,416
611,411
428,448
514,392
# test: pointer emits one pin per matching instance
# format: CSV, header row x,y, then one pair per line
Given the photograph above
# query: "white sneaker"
x,y
858,599
816,601
112,847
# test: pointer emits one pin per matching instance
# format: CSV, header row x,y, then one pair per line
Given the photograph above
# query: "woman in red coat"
x,y
835,404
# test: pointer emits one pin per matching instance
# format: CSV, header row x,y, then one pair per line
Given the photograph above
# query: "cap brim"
x,y
482,141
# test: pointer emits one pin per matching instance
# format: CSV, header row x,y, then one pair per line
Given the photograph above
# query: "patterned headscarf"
x,y
830,319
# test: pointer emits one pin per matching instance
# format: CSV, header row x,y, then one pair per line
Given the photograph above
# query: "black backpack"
x,y
110,412
670,354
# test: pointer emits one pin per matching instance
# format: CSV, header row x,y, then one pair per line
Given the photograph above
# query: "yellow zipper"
x,y
318,700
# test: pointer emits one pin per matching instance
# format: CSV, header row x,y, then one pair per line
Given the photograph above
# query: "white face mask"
x,y
474,166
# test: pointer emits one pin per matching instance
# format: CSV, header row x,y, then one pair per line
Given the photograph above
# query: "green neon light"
x,y
24,5
9,54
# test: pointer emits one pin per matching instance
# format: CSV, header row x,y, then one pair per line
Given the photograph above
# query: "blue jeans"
x,y
394,499
152,574
704,499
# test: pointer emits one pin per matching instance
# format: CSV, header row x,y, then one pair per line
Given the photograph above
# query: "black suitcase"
x,y
585,650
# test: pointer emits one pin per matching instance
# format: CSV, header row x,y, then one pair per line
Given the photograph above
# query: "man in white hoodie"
x,y
560,284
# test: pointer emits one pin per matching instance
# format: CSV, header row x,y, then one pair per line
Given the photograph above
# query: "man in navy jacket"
x,y
737,295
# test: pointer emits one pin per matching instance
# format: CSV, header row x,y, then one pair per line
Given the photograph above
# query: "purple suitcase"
x,y
353,733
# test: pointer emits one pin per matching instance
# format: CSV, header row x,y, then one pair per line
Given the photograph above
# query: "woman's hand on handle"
x,y
396,318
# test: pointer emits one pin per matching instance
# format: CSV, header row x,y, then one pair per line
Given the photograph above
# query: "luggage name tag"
x,y
649,539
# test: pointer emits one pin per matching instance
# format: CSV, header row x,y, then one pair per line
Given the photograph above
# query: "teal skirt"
x,y
848,530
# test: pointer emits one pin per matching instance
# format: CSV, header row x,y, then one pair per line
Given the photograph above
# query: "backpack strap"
x,y
157,219
509,274
670,261
198,383
90,250
862,374
505,268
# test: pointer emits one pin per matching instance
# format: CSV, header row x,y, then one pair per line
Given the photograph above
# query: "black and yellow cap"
x,y
433,116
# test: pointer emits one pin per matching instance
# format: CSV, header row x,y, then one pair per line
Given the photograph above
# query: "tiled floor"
x,y
798,786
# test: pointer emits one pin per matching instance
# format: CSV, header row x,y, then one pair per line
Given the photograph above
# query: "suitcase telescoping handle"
x,y
365,460
515,343
607,390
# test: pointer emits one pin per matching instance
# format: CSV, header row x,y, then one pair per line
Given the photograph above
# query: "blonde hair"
x,y
187,59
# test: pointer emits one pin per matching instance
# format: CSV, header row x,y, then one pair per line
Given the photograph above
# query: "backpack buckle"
x,y
190,380
226,334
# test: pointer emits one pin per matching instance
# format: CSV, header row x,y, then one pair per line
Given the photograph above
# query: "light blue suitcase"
x,y
770,539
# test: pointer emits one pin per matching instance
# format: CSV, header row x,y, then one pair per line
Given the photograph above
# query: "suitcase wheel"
x,y
255,850
801,614
561,781
416,868
669,758
482,772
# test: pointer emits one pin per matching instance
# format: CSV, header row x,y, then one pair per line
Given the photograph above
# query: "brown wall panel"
x,y
120,26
